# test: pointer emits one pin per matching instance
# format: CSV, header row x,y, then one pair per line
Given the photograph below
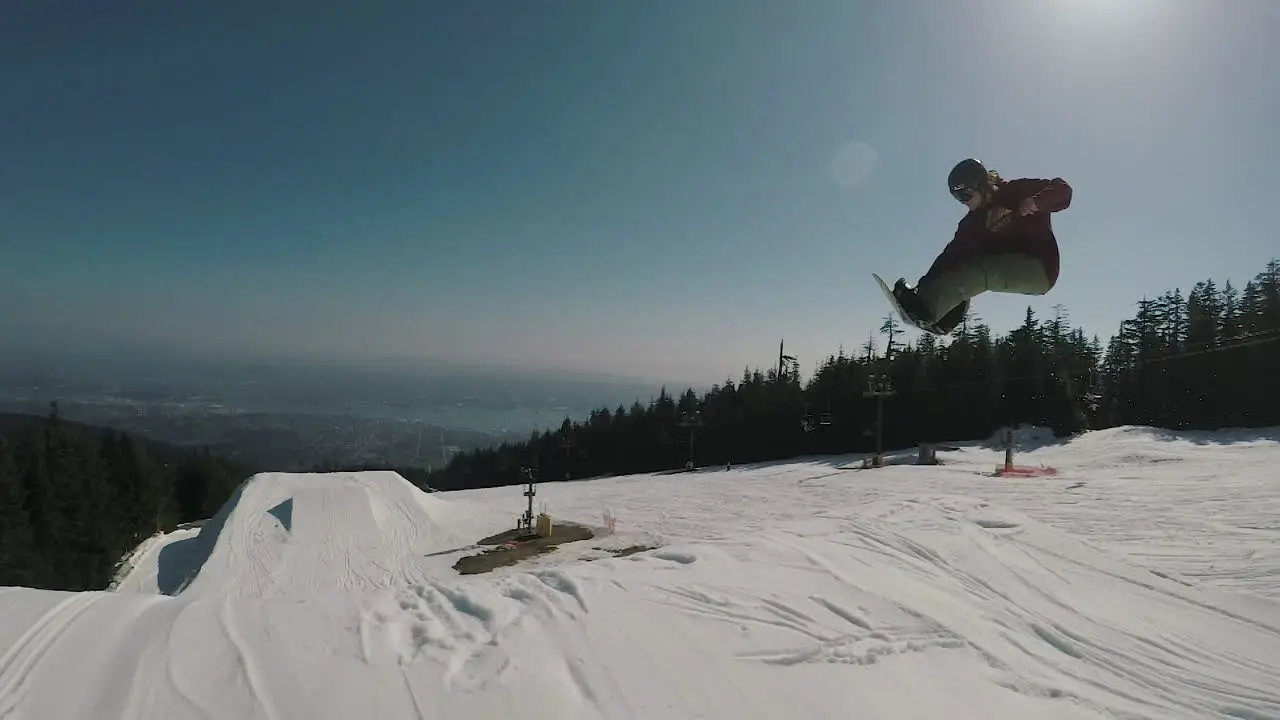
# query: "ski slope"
x,y
1143,581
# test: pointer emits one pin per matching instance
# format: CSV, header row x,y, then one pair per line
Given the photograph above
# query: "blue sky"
x,y
661,189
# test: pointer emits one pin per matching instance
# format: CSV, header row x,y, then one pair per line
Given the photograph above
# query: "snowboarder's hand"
x,y
1028,206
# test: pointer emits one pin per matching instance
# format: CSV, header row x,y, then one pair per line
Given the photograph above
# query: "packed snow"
x,y
1140,581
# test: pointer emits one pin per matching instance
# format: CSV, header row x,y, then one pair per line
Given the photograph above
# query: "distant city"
x,y
282,416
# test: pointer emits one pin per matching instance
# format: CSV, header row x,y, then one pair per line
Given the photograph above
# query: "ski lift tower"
x,y
878,387
692,421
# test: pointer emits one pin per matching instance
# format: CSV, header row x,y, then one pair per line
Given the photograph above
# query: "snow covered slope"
x,y
1141,582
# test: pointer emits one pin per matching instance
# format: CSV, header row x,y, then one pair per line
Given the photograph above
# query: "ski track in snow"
x,y
1143,581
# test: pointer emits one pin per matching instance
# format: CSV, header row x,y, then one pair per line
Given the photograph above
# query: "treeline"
x,y
1202,361
74,499
1208,360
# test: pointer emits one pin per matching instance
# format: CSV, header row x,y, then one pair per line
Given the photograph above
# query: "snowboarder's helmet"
x,y
966,178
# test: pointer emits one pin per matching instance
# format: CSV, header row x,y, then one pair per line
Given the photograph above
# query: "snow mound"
x,y
295,534
1142,435
1129,446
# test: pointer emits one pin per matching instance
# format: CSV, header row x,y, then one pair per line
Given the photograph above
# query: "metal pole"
x,y
690,420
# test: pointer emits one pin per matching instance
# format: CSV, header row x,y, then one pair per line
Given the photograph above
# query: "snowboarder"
x,y
1004,244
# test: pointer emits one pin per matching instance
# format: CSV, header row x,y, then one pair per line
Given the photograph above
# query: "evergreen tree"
x,y
17,547
74,500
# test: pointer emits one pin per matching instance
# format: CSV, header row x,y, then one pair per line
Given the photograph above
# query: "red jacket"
x,y
996,227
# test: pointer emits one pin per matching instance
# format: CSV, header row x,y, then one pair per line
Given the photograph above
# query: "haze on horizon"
x,y
659,190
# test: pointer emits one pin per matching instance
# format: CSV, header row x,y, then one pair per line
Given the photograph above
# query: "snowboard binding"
x,y
907,304
912,309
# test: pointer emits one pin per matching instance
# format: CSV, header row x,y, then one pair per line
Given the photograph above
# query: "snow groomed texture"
x,y
1143,581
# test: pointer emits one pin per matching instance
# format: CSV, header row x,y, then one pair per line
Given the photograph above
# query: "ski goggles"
x,y
962,193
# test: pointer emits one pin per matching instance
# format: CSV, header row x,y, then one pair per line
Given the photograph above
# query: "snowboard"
x,y
893,301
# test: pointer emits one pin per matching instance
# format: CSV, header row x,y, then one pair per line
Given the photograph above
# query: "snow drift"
x,y
1141,582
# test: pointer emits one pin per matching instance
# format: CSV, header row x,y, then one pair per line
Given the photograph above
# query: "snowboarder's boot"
x,y
911,304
